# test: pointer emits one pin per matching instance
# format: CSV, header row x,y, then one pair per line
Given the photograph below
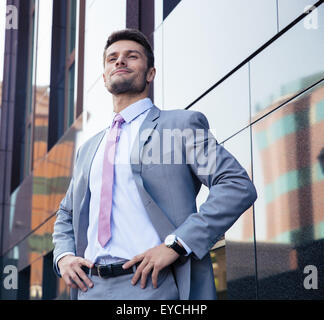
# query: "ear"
x,y
104,77
150,75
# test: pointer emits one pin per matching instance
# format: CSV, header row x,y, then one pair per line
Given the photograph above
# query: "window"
x,y
62,97
21,161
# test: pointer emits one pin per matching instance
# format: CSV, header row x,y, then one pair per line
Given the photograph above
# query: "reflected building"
x,y
289,143
240,70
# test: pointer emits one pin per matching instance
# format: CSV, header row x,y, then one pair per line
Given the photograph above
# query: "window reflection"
x,y
201,43
227,106
38,197
218,259
41,94
36,289
70,92
289,218
41,81
292,63
63,291
288,145
240,255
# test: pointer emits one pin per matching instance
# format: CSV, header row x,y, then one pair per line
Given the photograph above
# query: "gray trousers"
x,y
120,288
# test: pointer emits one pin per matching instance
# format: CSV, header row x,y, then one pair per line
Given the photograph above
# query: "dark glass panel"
x,y
49,284
289,177
23,94
240,242
168,6
23,284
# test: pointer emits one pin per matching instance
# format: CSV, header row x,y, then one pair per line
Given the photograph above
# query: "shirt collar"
x,y
135,109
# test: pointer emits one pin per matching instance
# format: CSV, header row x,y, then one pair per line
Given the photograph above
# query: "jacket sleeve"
x,y
231,192
63,235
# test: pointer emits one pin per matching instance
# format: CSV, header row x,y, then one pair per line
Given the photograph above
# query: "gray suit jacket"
x,y
168,192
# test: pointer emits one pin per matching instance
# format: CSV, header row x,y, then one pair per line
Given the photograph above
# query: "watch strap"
x,y
177,248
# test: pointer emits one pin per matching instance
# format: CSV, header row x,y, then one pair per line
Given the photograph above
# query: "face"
x,y
126,68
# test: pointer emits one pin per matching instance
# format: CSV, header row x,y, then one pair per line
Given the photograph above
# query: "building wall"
x,y
255,71
257,74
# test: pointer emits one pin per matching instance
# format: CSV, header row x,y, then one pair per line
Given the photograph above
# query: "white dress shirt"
x,y
132,232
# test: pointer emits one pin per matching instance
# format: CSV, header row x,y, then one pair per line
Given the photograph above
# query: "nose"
x,y
121,61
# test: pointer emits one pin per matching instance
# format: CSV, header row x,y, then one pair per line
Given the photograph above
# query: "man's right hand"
x,y
72,274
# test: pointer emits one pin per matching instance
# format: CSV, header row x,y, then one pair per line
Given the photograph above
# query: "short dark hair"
x,y
134,35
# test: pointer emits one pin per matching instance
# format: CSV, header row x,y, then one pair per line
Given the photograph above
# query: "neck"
x,y
122,101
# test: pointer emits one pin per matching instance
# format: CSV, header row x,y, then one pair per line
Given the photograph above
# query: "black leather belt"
x,y
109,270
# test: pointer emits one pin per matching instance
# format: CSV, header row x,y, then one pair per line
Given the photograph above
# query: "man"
x,y
128,227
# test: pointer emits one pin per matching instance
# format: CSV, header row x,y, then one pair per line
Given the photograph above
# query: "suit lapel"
x,y
83,217
91,151
143,136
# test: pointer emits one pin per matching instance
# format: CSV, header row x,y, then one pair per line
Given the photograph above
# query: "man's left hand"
x,y
156,258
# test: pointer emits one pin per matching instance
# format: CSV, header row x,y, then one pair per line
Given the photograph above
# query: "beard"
x,y
130,85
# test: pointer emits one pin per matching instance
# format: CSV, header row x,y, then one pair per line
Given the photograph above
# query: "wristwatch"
x,y
171,242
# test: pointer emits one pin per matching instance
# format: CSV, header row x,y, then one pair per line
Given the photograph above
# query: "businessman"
x,y
128,226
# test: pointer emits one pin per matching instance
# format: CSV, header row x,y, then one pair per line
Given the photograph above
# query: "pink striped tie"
x,y
104,232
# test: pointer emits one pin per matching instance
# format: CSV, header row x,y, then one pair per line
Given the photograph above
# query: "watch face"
x,y
169,240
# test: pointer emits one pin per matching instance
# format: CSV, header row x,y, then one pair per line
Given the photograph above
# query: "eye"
x,y
133,56
111,59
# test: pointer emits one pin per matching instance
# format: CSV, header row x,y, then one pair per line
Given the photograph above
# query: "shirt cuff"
x,y
185,246
59,257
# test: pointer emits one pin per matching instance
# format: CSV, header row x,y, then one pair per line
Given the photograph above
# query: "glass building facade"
x,y
254,68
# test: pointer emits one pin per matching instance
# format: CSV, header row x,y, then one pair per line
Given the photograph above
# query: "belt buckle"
x,y
100,268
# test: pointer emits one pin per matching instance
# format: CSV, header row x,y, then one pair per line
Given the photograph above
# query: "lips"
x,y
120,71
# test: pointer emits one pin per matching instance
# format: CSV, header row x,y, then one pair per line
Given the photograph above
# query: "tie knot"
x,y
119,119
